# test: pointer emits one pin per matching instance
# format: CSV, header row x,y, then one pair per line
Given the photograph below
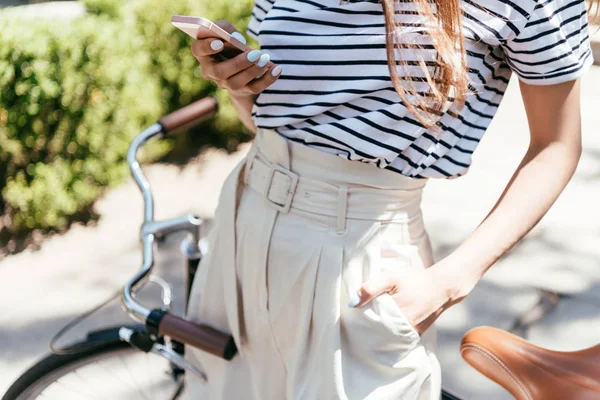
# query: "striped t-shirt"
x,y
335,93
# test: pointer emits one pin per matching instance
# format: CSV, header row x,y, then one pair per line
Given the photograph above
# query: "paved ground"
x,y
42,290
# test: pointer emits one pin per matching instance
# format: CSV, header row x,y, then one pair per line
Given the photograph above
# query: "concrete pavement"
x,y
42,290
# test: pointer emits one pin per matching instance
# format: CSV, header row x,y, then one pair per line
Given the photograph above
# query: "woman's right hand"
x,y
246,74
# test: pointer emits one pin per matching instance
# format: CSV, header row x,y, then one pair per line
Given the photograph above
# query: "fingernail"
x,y
239,37
254,55
277,70
354,300
264,59
216,44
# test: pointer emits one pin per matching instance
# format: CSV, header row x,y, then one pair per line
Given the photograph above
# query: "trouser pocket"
x,y
379,331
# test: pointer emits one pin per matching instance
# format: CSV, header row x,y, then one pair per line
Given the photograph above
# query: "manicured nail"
x,y
277,70
239,37
264,59
216,44
354,300
254,55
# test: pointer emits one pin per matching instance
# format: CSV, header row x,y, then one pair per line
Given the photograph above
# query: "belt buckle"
x,y
285,207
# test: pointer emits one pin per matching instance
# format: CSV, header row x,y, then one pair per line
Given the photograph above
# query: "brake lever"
x,y
144,342
177,359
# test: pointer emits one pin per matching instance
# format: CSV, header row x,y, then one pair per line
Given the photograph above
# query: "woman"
x,y
320,266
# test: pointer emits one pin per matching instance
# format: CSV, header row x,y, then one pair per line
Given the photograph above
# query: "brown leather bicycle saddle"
x,y
530,372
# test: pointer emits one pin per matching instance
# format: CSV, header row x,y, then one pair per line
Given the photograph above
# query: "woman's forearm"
x,y
243,105
536,184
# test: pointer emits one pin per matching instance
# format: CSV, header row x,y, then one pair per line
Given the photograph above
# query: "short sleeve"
x,y
553,46
259,11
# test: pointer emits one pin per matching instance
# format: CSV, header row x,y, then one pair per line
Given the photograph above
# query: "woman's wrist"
x,y
245,100
243,104
453,280
242,96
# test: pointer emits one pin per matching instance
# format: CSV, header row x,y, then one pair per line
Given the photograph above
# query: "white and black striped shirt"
x,y
336,94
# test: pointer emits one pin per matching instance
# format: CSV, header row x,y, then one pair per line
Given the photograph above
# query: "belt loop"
x,y
288,153
249,159
342,205
281,149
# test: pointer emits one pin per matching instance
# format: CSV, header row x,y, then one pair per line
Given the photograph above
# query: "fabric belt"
x,y
286,190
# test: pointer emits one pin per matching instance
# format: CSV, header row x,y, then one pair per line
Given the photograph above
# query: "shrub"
x,y
74,94
70,104
176,67
109,8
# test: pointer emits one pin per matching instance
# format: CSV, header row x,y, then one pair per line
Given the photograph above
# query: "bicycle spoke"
x,y
117,376
71,389
82,379
133,380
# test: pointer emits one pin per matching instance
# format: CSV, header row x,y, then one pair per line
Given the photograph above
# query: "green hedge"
x,y
72,96
109,8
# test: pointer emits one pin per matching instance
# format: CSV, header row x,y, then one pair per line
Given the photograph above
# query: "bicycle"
x,y
157,341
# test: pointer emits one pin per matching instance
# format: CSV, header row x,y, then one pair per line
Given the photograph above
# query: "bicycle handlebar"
x,y
189,115
159,321
200,336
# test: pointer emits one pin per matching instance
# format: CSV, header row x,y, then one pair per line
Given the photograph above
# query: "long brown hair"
x,y
449,77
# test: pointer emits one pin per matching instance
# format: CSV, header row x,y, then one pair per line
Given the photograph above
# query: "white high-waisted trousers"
x,y
297,230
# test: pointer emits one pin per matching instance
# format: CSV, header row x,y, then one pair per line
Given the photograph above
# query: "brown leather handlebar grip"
x,y
189,115
200,336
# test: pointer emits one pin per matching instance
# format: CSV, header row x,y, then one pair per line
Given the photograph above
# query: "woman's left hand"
x,y
421,294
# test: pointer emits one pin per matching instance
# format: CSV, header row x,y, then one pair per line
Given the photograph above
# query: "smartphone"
x,y
202,28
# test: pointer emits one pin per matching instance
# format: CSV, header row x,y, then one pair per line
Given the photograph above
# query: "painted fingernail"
x,y
239,37
216,44
354,300
264,59
254,55
277,70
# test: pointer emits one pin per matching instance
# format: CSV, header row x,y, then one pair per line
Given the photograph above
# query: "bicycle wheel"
x,y
110,369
